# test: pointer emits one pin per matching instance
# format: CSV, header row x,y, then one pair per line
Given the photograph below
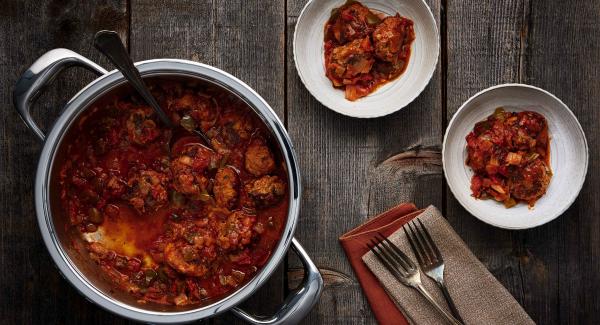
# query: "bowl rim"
x,y
514,85
381,113
95,90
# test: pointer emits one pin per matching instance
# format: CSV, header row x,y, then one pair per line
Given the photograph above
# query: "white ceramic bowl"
x,y
568,155
310,62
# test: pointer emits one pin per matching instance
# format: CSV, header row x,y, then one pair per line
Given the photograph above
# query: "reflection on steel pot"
x,y
81,271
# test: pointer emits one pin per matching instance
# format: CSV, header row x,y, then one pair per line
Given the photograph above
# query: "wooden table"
x,y
351,168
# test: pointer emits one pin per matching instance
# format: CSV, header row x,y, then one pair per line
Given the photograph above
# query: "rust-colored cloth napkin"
x,y
479,297
355,242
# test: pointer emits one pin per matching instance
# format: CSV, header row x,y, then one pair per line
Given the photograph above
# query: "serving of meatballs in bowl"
x,y
367,58
515,156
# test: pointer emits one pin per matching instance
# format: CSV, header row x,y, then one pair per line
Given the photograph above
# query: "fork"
x,y
405,270
429,257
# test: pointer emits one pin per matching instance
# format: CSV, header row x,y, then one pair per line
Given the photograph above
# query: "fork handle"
x,y
450,302
439,308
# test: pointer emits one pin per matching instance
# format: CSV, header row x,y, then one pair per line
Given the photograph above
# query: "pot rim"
x,y
98,88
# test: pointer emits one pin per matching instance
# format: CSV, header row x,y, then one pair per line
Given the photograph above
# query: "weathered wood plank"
x,y
561,54
551,270
484,49
244,38
353,169
32,290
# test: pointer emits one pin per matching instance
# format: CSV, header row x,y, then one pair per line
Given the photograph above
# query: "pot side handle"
x,y
300,302
41,73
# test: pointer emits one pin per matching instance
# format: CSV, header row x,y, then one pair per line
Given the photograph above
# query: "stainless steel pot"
x,y
78,269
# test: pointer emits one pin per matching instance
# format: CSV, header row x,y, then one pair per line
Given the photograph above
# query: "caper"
x,y
162,276
372,19
95,216
188,123
150,275
177,198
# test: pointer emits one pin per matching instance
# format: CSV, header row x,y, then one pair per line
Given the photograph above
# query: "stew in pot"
x,y
166,218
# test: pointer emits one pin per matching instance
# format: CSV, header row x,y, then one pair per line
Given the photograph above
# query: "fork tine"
x,y
402,261
420,244
411,241
430,240
397,252
393,260
384,258
395,272
394,257
426,245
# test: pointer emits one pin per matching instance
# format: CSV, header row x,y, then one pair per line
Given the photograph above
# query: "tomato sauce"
x,y
509,153
166,217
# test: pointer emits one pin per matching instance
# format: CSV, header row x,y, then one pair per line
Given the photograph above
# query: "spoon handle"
x,y
109,43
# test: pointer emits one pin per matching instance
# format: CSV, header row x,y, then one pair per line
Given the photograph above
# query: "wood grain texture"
x,y
561,268
483,49
552,270
244,38
353,169
32,290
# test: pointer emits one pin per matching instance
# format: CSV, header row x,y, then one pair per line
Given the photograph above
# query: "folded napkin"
x,y
479,297
355,245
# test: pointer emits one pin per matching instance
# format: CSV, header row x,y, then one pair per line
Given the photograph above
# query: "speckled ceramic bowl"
x,y
568,155
309,58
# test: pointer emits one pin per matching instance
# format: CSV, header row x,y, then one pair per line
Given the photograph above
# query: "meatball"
x,y
259,159
234,128
352,22
192,185
202,108
185,259
225,187
189,170
148,190
236,232
265,191
141,129
350,61
389,38
195,157
531,182
115,187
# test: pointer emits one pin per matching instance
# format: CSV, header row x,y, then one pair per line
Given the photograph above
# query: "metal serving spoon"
x,y
109,43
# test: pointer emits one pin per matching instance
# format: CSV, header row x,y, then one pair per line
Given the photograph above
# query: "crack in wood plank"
x,y
404,177
415,157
